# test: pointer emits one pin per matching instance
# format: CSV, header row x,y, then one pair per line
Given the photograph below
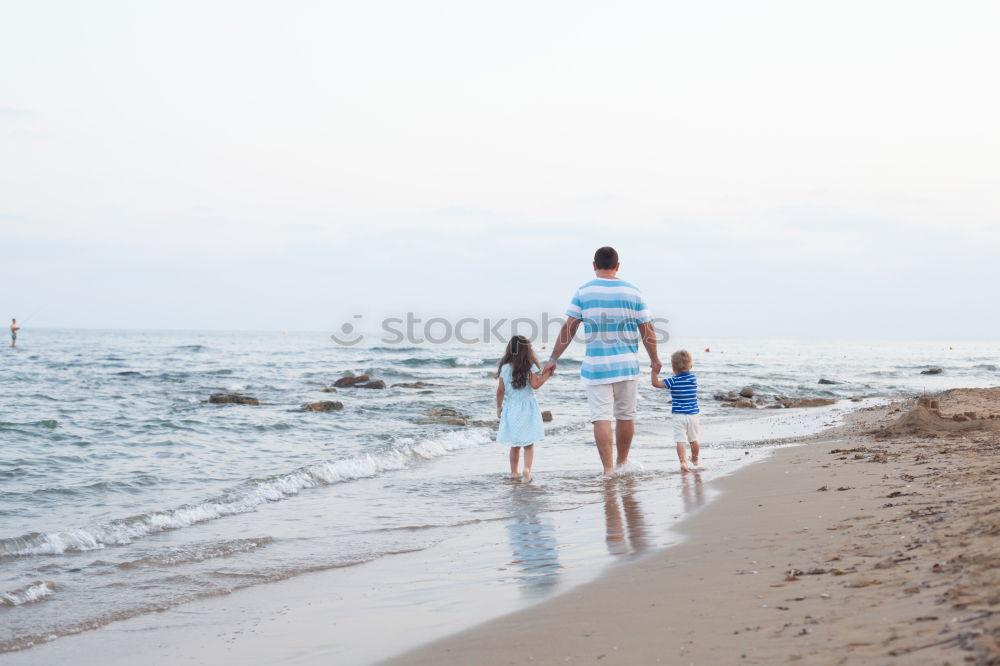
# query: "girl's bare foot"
x,y
694,462
684,466
526,478
515,475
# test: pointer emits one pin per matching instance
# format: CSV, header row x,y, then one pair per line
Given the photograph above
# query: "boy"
x,y
683,388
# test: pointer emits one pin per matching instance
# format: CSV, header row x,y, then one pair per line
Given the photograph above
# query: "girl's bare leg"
x,y
694,453
515,455
682,455
529,457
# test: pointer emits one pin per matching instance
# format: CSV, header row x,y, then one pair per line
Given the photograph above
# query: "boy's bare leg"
x,y
515,455
694,453
603,437
529,457
682,455
623,440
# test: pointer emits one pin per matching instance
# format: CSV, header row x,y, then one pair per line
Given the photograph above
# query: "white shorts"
x,y
685,427
617,399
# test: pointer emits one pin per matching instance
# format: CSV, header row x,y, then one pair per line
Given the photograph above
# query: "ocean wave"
x,y
449,362
242,499
49,424
198,553
35,592
191,348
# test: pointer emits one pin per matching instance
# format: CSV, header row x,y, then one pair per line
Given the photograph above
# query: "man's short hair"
x,y
681,361
605,258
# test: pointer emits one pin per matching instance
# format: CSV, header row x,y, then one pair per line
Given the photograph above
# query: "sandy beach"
x,y
876,542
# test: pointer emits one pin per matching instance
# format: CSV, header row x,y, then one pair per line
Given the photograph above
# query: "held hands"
x,y
549,369
655,366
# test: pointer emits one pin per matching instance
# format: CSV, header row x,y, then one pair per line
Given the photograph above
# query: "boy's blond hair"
x,y
681,361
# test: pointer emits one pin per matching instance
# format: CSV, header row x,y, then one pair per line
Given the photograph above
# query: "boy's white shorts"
x,y
685,427
617,399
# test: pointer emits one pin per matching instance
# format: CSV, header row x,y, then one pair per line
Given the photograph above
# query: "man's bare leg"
x,y
623,440
603,438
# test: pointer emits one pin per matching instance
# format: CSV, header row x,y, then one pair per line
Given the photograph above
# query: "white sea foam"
x,y
243,499
199,552
26,595
631,467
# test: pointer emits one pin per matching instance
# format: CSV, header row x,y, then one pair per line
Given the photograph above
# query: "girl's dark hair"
x,y
521,357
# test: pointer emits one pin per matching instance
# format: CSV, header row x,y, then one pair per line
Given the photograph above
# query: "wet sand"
x,y
876,543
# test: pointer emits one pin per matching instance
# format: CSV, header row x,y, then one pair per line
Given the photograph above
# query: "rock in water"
x,y
933,371
374,384
413,385
546,416
323,406
746,403
443,416
827,381
746,392
804,402
329,389
350,380
233,398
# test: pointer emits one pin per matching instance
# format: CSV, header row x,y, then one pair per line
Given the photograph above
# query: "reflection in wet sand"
x,y
534,547
693,491
625,526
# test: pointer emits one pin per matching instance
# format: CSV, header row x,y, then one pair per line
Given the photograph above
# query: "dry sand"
x,y
879,544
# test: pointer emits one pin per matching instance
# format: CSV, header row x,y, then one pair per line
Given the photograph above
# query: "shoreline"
x,y
292,620
469,577
845,549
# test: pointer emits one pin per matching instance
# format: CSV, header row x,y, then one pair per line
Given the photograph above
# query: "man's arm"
x,y
648,336
566,334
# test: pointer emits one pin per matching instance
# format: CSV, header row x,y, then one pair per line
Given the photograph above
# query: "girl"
x,y
520,419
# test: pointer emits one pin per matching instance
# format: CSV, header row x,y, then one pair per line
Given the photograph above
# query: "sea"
x,y
125,493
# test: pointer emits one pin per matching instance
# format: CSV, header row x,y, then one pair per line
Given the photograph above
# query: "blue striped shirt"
x,y
611,311
684,391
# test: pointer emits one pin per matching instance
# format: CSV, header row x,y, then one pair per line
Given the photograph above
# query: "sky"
x,y
774,169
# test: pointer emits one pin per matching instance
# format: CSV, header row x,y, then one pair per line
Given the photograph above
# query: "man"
x,y
14,328
614,319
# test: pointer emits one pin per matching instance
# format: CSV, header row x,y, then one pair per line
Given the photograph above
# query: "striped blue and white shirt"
x,y
611,311
684,392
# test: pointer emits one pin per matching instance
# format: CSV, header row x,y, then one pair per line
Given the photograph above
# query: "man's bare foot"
x,y
515,475
684,466
618,465
608,473
526,477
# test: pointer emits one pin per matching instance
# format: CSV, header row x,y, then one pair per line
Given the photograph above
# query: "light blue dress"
x,y
520,419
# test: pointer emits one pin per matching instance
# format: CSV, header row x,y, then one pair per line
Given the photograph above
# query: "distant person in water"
x,y
615,320
14,328
520,418
683,387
